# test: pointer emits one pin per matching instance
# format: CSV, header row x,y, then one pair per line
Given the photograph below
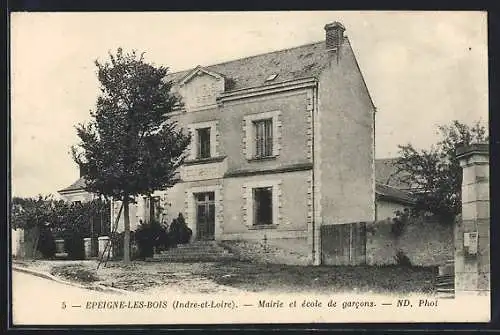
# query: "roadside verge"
x,y
95,287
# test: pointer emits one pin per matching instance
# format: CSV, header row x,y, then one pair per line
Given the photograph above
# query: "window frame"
x,y
200,148
194,145
249,137
263,138
249,203
255,205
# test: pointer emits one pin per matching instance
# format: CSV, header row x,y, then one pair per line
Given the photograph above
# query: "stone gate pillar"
x,y
472,233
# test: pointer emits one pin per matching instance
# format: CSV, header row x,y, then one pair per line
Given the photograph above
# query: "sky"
x,y
422,69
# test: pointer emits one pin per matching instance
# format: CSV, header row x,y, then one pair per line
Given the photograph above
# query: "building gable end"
x,y
198,71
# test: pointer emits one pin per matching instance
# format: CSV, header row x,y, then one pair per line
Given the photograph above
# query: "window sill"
x,y
263,226
260,159
204,160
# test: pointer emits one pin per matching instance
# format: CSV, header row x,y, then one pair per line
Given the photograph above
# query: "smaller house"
x,y
392,193
76,192
140,211
389,200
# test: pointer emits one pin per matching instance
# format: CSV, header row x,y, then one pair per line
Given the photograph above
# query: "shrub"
x,y
74,246
402,259
179,232
149,236
399,222
144,239
46,243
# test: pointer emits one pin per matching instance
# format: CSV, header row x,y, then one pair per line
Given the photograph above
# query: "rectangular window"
x,y
263,138
203,143
263,205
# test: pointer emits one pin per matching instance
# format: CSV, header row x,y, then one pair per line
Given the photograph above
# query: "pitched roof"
x,y
394,194
304,61
386,173
80,184
77,185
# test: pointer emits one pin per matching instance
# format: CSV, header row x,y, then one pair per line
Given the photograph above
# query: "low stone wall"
x,y
424,242
291,251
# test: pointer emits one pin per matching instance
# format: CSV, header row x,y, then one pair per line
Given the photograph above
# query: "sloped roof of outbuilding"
x,y
77,185
394,194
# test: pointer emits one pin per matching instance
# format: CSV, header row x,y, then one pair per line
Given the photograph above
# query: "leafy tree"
x,y
32,212
435,174
131,146
70,221
36,214
78,217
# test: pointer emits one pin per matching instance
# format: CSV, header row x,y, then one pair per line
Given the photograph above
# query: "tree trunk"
x,y
126,231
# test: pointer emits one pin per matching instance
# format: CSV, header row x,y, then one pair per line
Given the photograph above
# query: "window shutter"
x,y
209,144
249,138
213,139
199,144
193,144
276,134
269,137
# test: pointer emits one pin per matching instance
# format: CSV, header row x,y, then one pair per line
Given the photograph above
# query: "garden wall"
x,y
30,238
424,242
17,243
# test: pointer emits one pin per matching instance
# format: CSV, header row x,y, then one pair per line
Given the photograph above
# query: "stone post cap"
x,y
463,151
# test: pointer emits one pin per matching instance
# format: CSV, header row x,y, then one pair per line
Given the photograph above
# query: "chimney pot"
x,y
334,35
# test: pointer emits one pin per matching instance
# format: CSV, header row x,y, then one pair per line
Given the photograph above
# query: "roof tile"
x,y
393,193
304,61
77,185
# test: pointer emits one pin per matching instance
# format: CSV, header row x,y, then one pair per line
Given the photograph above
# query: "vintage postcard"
x,y
249,167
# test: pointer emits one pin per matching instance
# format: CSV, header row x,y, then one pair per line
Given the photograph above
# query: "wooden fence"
x,y
343,244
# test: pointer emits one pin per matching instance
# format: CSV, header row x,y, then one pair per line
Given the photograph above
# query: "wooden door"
x,y
205,216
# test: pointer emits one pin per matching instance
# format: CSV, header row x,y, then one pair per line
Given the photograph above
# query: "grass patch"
x,y
377,279
76,273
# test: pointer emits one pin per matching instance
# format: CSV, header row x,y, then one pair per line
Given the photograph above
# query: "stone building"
x,y
76,192
283,143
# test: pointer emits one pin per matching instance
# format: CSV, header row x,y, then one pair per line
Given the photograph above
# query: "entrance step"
x,y
445,281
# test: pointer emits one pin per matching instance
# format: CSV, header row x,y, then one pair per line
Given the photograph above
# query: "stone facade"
x,y
322,164
77,195
320,169
472,255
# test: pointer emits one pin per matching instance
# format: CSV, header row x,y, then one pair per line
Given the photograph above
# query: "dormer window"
x,y
272,77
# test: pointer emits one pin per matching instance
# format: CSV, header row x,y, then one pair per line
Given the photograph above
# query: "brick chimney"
x,y
334,35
